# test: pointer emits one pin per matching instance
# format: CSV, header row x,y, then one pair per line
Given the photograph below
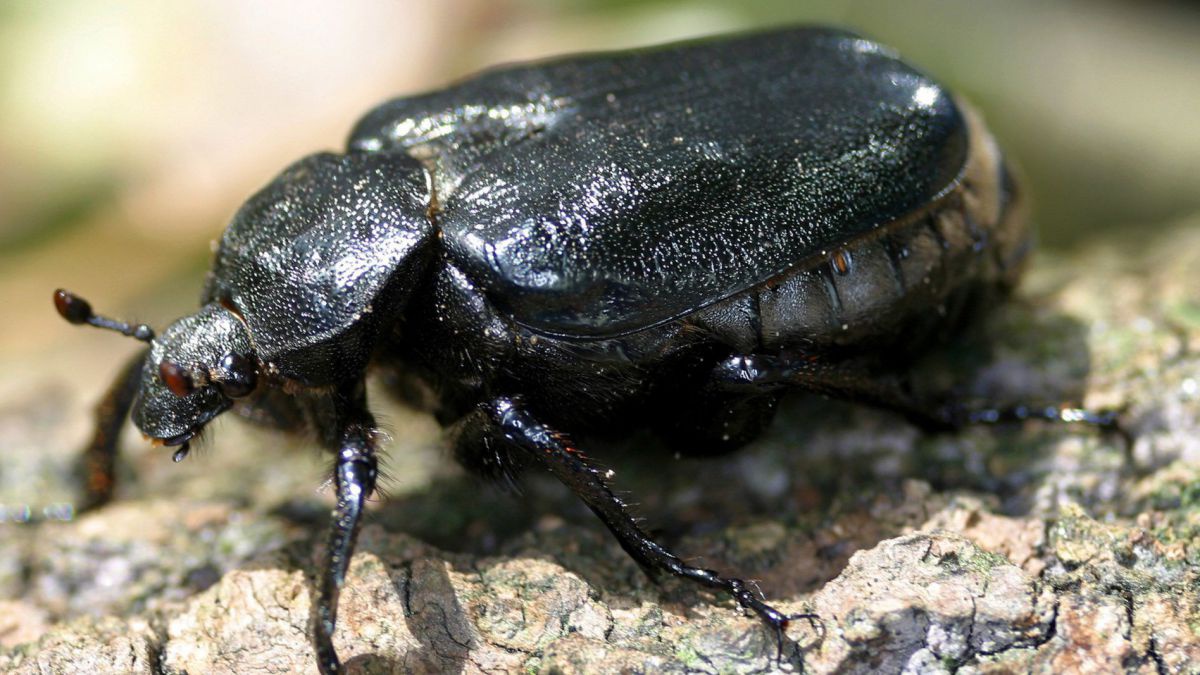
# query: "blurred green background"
x,y
130,131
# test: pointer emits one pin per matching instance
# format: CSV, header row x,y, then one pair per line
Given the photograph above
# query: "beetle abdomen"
x,y
897,284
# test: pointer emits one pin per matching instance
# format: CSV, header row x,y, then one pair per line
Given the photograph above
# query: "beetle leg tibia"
x,y
755,373
354,477
554,451
98,462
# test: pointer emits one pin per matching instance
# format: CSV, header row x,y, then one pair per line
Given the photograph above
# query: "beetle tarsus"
x,y
813,619
355,472
1109,421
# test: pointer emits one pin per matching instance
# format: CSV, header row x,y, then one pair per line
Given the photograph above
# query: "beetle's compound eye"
x,y
178,380
236,375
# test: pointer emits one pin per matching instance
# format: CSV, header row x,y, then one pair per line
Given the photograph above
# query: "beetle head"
x,y
191,374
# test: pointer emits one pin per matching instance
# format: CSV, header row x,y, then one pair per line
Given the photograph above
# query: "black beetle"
x,y
668,237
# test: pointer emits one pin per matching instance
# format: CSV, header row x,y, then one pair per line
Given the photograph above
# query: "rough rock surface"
x,y
1049,548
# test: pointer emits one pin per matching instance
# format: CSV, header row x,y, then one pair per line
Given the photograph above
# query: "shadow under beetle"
x,y
669,237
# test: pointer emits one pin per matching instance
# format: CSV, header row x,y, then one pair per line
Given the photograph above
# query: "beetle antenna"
x,y
76,310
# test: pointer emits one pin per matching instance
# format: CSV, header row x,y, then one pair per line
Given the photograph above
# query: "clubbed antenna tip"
x,y
76,310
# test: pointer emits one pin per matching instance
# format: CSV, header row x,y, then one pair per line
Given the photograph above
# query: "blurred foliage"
x,y
136,128
45,222
1013,59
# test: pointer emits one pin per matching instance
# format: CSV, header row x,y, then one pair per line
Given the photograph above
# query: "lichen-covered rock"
x,y
928,601
1037,547
140,555
21,622
88,646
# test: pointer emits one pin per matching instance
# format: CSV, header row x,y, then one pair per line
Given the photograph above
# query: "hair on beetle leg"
x,y
324,486
383,478
505,469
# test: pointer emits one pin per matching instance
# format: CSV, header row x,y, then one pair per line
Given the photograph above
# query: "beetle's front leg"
x,y
97,465
553,451
354,475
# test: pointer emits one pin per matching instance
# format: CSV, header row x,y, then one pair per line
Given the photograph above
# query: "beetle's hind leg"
x,y
756,374
97,464
547,447
352,436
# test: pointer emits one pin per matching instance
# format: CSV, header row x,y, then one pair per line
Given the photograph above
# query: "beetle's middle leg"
x,y
756,374
352,435
551,449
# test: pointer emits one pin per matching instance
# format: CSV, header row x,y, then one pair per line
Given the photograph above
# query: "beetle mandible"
x,y
669,237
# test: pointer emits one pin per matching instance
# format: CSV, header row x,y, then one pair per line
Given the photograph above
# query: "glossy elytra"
x,y
669,237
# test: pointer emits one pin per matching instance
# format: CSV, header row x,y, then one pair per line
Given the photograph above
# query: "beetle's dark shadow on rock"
x,y
823,449
434,617
432,612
